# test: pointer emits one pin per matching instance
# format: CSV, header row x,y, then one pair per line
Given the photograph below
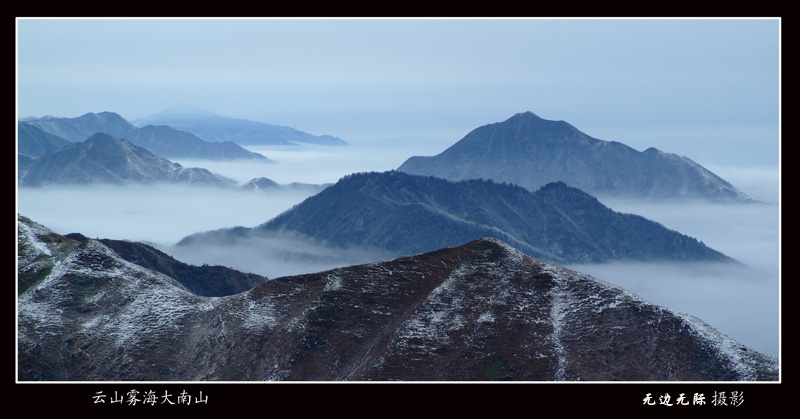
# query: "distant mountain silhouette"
x,y
478,312
266,184
165,141
531,152
406,214
105,159
33,142
212,127
80,128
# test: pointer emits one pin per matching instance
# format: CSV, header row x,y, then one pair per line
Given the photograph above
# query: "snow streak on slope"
x,y
481,311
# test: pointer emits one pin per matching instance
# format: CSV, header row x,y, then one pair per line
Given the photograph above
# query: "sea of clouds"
x,y
741,301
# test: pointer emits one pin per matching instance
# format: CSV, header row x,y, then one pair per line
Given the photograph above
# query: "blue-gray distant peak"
x,y
178,115
530,117
526,114
157,138
32,141
105,159
531,152
213,127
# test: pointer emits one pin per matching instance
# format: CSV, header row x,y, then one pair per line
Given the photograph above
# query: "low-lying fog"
x,y
740,301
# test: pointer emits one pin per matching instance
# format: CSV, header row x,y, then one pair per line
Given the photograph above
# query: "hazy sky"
x,y
706,88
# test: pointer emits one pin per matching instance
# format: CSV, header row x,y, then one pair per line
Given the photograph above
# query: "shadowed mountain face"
x,y
105,159
481,311
165,141
404,214
212,127
531,152
79,129
33,142
208,281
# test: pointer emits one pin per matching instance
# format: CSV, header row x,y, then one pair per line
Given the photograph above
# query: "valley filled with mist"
x,y
741,301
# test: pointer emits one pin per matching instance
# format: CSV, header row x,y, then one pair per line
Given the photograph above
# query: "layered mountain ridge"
x,y
530,151
34,142
478,312
212,127
165,141
404,214
104,159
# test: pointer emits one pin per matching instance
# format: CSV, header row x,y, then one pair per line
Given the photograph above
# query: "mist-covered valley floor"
x,y
741,301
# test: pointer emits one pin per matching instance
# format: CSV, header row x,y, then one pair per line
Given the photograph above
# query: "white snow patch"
x,y
725,346
42,314
30,234
334,282
95,322
559,311
259,315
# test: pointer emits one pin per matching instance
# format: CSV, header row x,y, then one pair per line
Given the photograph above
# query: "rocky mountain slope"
x,y
208,281
405,214
165,141
212,127
105,159
482,311
531,152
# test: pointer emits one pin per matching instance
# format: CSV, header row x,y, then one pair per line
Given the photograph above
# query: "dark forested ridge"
x,y
406,214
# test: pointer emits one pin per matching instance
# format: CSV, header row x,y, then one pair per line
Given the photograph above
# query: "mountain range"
x,y
104,159
531,152
267,184
405,214
212,127
482,311
165,141
32,141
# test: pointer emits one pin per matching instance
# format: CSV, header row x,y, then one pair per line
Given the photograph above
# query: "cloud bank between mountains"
x,y
739,301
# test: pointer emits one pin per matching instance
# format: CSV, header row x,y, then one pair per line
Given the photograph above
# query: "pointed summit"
x,y
526,114
531,152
